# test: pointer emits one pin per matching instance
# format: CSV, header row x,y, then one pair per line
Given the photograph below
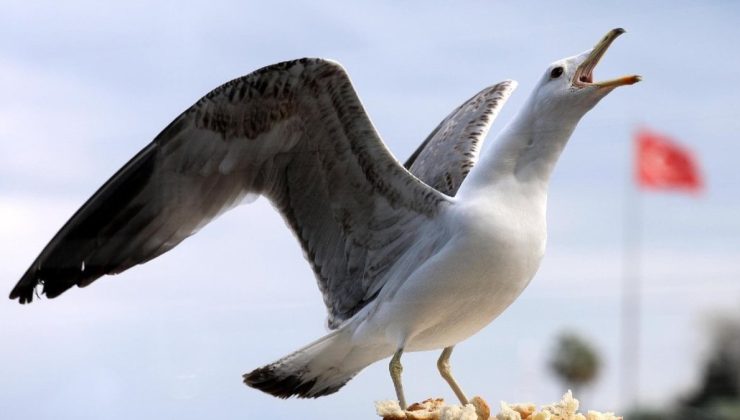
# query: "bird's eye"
x,y
556,72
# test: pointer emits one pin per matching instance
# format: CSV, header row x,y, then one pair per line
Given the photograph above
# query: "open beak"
x,y
584,75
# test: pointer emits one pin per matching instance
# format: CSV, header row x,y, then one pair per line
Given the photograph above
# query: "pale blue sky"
x,y
87,84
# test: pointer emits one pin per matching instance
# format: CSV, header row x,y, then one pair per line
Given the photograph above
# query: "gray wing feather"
x,y
448,154
295,132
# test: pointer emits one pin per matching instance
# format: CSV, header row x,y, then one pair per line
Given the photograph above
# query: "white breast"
x,y
493,253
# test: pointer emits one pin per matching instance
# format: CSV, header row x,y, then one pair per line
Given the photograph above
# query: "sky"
x,y
85,85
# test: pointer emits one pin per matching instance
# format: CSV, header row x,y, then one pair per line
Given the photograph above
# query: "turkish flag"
x,y
661,163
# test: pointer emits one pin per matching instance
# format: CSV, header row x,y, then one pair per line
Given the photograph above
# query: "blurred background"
x,y
85,85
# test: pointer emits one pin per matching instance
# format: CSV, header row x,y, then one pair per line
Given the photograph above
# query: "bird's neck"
x,y
524,153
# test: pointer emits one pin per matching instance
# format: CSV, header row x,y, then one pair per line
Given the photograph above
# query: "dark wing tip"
x,y
54,280
58,267
23,293
25,289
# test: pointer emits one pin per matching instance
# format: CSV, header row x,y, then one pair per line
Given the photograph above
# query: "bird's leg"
x,y
396,369
443,364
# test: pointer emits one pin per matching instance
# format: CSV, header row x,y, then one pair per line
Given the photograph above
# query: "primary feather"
x,y
295,132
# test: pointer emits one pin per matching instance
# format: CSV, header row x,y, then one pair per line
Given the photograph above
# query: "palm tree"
x,y
575,361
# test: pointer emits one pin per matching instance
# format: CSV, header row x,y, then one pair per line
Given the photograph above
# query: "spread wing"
x,y
295,132
446,157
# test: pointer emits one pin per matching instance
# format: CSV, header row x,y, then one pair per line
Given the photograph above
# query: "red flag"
x,y
661,163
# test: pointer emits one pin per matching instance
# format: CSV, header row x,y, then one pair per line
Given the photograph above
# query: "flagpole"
x,y
631,290
659,163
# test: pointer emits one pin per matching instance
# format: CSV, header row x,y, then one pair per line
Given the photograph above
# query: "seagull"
x,y
408,257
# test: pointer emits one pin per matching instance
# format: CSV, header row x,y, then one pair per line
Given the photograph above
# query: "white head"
x,y
567,90
531,144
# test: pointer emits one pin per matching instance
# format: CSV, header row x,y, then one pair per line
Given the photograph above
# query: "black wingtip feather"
x,y
22,293
105,214
25,289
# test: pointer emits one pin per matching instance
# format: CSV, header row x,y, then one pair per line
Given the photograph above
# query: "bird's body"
x,y
407,258
486,251
470,262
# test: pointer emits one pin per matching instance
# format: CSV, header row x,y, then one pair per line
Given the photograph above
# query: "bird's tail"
x,y
321,368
